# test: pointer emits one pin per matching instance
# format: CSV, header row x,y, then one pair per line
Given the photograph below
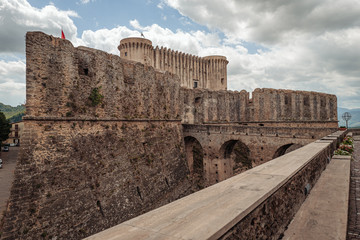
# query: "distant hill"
x,y
17,117
14,114
354,122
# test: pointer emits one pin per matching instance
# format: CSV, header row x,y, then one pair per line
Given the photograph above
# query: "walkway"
x,y
324,213
7,176
354,199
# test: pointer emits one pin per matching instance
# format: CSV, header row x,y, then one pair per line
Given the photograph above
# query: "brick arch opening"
x,y
286,149
194,156
239,155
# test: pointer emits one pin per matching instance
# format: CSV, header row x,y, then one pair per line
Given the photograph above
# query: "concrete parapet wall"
x,y
355,131
257,204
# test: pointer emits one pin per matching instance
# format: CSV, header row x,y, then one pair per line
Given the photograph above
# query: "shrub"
x,y
346,147
341,152
348,141
95,97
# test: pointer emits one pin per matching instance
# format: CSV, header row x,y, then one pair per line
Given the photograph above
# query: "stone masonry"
x,y
107,139
86,167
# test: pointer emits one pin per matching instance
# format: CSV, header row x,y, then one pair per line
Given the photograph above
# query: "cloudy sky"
x,y
311,45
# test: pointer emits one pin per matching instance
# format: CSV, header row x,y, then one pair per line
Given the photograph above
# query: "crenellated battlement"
x,y
208,72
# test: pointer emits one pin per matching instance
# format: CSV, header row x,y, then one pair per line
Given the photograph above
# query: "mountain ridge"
x,y
14,114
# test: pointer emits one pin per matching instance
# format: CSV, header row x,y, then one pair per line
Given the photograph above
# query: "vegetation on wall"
x,y
95,96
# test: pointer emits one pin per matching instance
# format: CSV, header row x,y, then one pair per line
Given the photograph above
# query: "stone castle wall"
x,y
85,167
104,140
194,72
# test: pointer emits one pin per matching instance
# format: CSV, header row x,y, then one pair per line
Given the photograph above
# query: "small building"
x,y
16,132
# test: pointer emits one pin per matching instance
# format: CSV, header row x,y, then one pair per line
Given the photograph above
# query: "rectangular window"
x,y
125,54
195,84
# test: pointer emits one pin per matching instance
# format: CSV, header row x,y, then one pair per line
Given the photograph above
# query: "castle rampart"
x,y
194,72
107,139
269,107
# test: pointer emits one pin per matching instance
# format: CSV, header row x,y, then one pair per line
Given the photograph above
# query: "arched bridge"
x,y
218,152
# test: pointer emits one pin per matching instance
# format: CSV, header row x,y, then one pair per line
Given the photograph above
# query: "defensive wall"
x,y
107,139
234,133
102,143
256,204
276,107
208,72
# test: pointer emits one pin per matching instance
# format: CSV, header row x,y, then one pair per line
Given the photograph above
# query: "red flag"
x,y
62,34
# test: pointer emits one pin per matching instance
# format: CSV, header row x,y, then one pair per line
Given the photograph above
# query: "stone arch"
x,y
194,155
239,155
286,149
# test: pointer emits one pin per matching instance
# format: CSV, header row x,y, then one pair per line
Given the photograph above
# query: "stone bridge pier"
x,y
217,152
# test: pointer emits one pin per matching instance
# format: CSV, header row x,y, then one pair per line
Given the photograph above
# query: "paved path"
x,y
354,198
324,213
7,176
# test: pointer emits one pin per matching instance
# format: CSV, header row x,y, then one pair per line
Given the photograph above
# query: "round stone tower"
x,y
137,49
217,79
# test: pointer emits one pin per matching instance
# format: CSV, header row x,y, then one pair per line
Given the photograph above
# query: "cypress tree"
x,y
4,128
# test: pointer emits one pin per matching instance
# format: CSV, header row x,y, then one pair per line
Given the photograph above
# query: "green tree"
x,y
4,127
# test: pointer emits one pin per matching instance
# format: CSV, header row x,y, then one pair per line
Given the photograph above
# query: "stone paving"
x,y
7,176
324,213
354,198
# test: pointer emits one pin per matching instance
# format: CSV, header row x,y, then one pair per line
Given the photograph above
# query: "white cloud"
x,y
189,42
85,2
12,82
107,39
161,5
18,17
135,24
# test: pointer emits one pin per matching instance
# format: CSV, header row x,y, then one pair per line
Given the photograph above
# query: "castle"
x,y
107,138
194,72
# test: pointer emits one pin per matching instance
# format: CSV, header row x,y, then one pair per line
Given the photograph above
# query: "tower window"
x,y
222,80
196,84
125,54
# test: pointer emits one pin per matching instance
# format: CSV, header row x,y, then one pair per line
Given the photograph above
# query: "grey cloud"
x,y
271,22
